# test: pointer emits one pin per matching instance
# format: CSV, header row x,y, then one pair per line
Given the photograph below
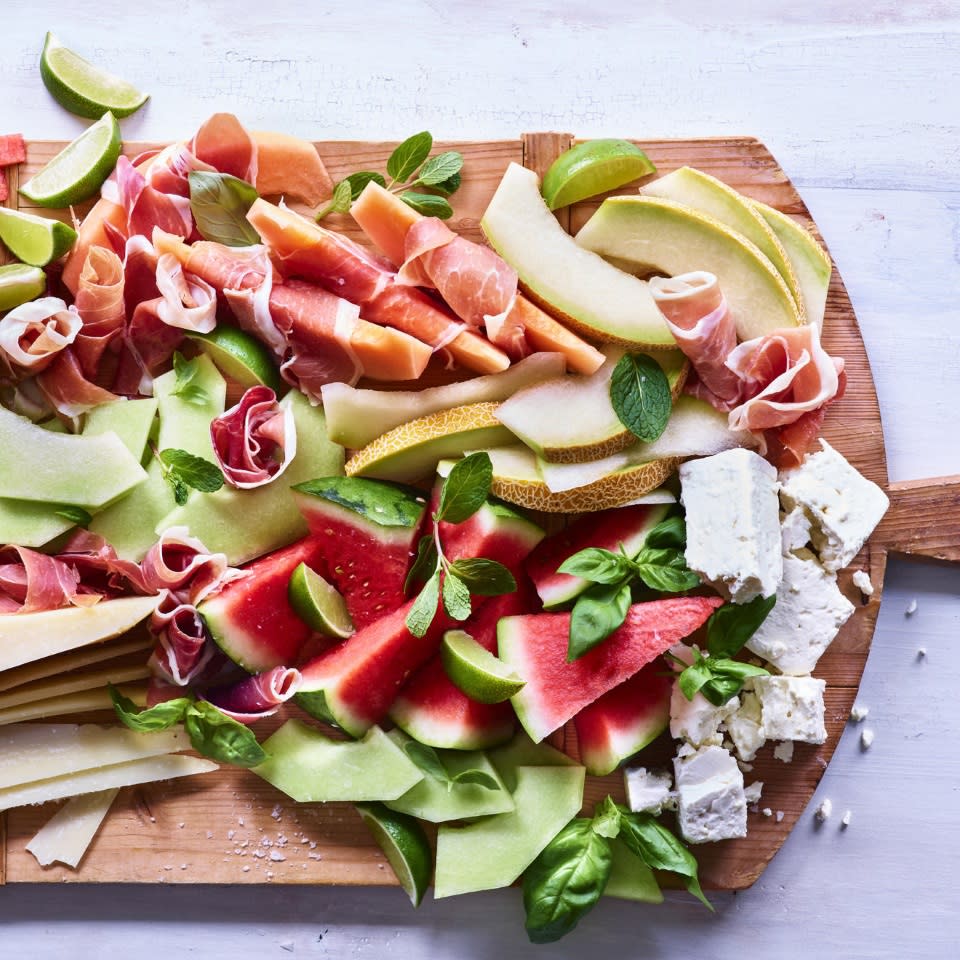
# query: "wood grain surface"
x,y
230,827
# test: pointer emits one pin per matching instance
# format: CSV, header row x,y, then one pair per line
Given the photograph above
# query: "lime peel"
x,y
35,240
475,670
318,604
404,844
239,356
591,168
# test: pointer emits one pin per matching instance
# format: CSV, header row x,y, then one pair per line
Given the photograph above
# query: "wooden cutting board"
x,y
231,827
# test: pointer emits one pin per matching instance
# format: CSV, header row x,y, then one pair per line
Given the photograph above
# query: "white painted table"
x,y
858,101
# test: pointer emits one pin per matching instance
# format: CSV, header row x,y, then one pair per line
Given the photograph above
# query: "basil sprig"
x,y
640,395
212,733
219,203
603,607
567,879
463,493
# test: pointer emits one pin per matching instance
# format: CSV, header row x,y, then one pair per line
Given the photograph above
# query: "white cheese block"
x,y
809,612
843,506
83,701
89,781
794,530
753,792
65,837
697,721
73,683
38,751
649,791
733,522
710,800
745,727
792,708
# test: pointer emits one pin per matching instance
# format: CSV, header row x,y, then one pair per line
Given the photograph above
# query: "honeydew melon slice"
x,y
411,452
357,417
811,262
30,524
711,196
130,420
667,237
578,287
592,430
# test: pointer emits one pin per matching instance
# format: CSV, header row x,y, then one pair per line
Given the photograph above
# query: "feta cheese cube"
x,y
861,580
843,506
697,721
733,522
794,530
808,614
649,791
745,727
784,752
752,792
710,799
792,708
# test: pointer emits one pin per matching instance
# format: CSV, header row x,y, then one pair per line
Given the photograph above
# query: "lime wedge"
x,y
476,671
79,169
35,240
318,604
404,844
82,88
592,167
20,283
239,356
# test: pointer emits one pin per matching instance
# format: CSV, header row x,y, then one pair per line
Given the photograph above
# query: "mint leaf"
x,y
668,533
466,489
599,610
606,818
359,180
640,394
149,719
427,204
408,156
665,570
339,202
448,187
427,759
219,204
424,564
184,387
730,627
220,737
456,597
424,608
597,565
483,577
439,169
184,470
479,778
76,515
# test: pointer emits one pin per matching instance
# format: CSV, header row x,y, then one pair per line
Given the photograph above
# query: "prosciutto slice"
x,y
254,441
183,648
68,390
188,302
32,334
149,343
101,306
180,563
697,315
145,206
224,144
99,567
256,697
31,582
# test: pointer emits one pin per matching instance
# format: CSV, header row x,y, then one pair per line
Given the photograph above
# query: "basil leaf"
x,y
736,669
192,471
427,204
665,570
427,759
456,597
483,577
478,777
597,565
449,186
659,849
730,627
339,202
220,737
184,387
359,180
466,488
606,818
564,883
440,168
599,610
149,719
424,565
408,156
219,204
671,532
718,690
424,608
76,515
693,677
640,394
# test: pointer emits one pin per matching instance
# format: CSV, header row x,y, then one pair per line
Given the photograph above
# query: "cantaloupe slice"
x,y
289,166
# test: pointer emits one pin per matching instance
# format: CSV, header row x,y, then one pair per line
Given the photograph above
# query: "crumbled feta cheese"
x,y
858,712
846,818
745,727
809,612
697,721
649,791
792,708
824,810
842,504
733,522
711,803
861,580
767,812
784,751
911,607
794,530
866,738
752,792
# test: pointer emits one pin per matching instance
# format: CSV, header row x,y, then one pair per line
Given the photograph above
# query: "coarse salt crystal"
x,y
911,607
824,810
858,713
866,738
779,816
845,819
767,812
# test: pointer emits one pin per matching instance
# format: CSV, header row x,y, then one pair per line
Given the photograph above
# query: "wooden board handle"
x,y
923,519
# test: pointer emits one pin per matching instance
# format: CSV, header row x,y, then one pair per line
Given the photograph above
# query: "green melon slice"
x,y
130,420
658,235
309,767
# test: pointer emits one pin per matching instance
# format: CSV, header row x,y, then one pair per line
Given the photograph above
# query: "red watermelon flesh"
x,y
251,619
433,710
608,529
536,647
625,719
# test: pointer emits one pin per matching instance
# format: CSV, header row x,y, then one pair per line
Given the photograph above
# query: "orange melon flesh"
x,y
289,166
385,219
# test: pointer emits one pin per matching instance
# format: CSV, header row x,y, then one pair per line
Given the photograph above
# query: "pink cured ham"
x,y
149,343
101,306
189,302
474,281
34,333
254,441
181,563
183,648
69,392
145,206
99,567
256,697
697,315
31,582
223,143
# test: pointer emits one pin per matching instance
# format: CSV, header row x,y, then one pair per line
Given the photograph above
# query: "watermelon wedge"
x,y
624,720
367,530
610,528
536,647
251,619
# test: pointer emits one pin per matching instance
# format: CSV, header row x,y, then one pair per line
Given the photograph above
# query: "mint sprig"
x,y
184,472
184,386
640,395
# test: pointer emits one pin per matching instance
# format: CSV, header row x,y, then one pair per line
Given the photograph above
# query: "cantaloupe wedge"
x,y
385,219
289,166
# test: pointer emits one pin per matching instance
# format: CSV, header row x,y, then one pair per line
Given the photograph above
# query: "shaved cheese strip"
x,y
61,686
84,701
65,837
39,751
120,775
32,334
